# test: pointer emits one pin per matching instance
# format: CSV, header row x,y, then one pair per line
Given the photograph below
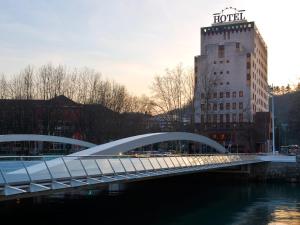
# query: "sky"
x,y
131,41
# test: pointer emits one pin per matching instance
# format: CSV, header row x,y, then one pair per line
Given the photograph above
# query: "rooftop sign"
x,y
229,14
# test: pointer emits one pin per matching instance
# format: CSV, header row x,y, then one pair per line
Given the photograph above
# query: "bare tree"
x,y
172,92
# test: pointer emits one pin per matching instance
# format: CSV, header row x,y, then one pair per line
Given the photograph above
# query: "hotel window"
x,y
215,95
202,118
208,118
240,105
237,45
221,51
227,94
241,93
234,94
234,117
227,118
227,106
221,94
241,117
215,118
234,105
221,118
214,106
221,106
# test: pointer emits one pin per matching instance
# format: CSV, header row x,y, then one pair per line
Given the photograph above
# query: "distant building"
x,y
231,84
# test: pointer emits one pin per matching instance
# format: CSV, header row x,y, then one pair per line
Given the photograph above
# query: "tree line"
x,y
171,92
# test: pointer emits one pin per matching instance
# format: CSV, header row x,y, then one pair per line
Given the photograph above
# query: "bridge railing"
x,y
21,170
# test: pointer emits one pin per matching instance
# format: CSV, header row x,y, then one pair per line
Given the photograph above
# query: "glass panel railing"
x,y
105,166
169,162
137,164
57,168
74,166
14,172
185,159
37,170
91,167
162,162
147,163
181,161
175,162
127,165
154,163
117,165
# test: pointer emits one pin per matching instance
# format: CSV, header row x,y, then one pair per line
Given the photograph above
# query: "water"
x,y
188,200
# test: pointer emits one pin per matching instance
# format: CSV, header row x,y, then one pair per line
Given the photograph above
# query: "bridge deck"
x,y
30,176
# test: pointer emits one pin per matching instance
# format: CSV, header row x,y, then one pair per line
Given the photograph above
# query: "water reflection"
x,y
177,201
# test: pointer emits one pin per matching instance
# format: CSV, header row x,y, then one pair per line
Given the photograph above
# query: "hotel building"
x,y
231,79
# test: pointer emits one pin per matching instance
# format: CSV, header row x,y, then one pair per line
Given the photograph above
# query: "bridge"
x,y
107,165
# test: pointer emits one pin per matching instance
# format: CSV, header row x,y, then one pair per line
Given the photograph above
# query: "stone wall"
x,y
276,171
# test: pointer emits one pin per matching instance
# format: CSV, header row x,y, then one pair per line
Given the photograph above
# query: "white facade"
x,y
231,74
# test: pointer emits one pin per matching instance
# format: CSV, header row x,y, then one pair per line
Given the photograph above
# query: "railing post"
x,y
101,173
112,167
67,167
86,174
122,165
30,180
3,177
49,171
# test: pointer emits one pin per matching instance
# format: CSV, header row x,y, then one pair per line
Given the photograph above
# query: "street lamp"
x,y
273,123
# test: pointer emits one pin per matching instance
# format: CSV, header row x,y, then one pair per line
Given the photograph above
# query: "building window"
x,y
237,45
202,118
241,93
202,95
214,106
234,117
221,62
215,95
221,106
227,94
234,105
215,118
227,106
221,51
240,105
202,107
241,117
234,94
215,73
208,106
221,72
227,71
227,118
221,94
227,61
227,83
215,62
208,118
221,118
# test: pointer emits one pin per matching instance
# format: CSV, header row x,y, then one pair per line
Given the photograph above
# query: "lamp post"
x,y
273,122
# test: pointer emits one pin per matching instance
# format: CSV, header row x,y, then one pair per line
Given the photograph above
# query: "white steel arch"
x,y
44,138
130,143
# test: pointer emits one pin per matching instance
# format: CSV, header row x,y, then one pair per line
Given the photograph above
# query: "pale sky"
x,y
132,40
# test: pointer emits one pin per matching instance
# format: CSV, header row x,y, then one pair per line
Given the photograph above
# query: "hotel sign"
x,y
229,15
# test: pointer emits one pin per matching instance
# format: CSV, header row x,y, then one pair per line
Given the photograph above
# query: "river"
x,y
176,201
